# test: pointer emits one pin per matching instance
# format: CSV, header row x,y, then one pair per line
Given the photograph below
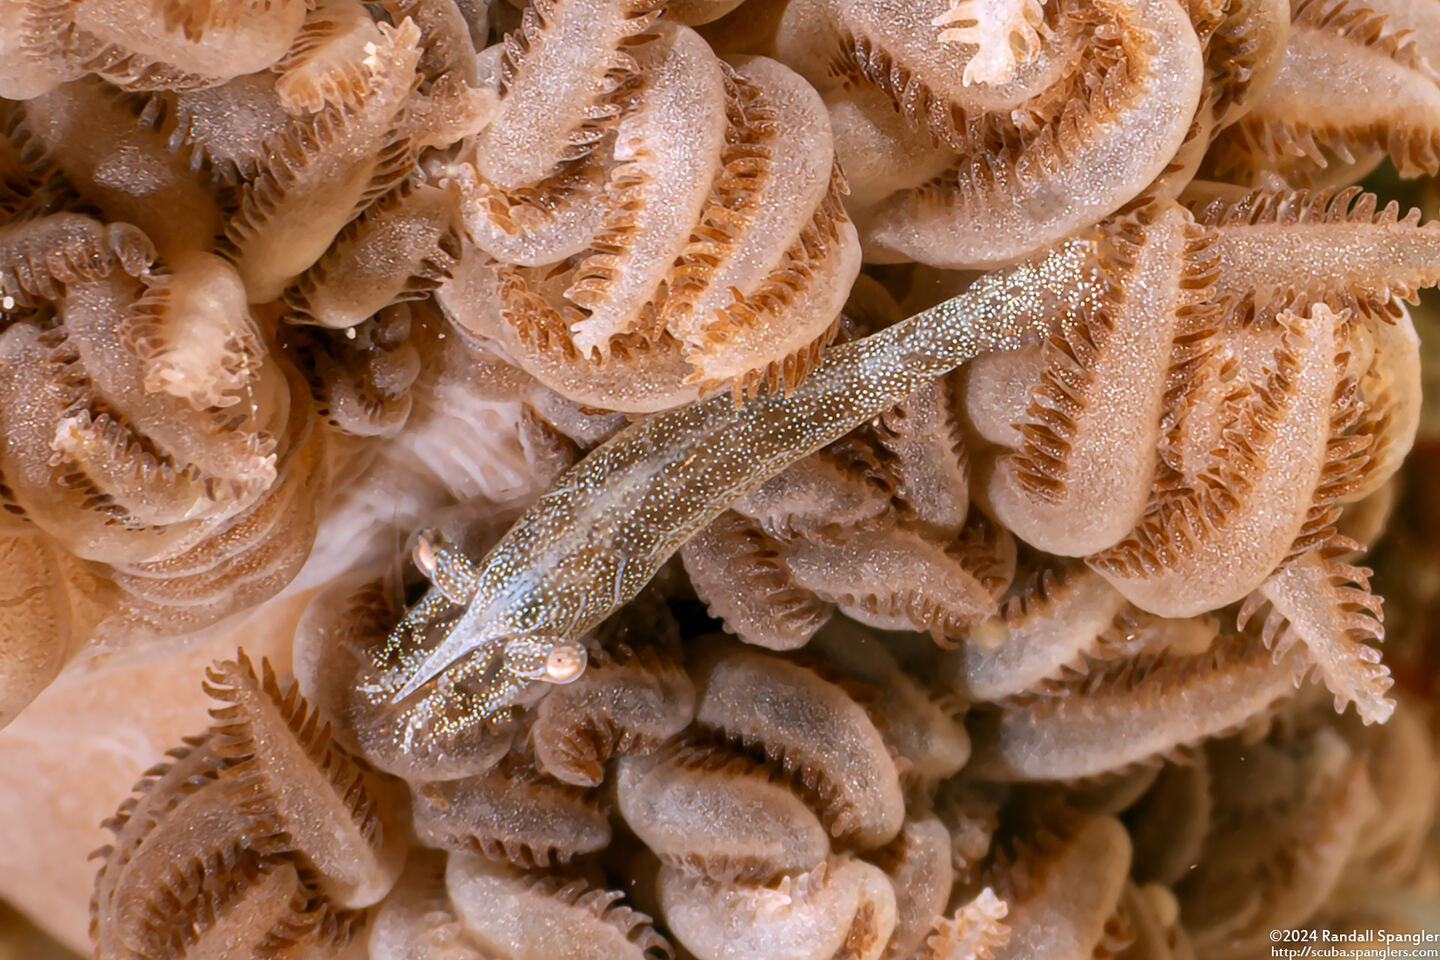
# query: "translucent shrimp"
x,y
593,541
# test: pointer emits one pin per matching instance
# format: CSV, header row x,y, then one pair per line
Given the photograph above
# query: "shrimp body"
x,y
594,540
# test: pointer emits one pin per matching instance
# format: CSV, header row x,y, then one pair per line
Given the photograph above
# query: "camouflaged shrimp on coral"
x,y
876,525
1040,657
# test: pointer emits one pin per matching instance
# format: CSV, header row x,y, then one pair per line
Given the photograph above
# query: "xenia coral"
x,y
528,389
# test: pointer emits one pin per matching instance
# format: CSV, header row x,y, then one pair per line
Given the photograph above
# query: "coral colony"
x,y
794,479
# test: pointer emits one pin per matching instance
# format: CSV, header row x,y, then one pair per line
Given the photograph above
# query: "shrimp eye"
x,y
425,553
549,658
445,565
565,662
